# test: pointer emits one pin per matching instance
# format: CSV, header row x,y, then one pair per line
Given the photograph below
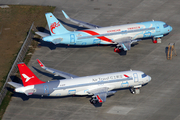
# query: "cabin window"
x,y
165,25
143,75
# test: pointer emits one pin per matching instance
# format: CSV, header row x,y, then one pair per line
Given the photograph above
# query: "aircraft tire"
x,y
117,50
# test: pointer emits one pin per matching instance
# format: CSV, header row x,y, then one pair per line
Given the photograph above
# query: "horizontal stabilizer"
x,y
16,85
42,34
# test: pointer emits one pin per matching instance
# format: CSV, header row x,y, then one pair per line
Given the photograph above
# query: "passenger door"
x,y
157,28
72,38
136,79
46,89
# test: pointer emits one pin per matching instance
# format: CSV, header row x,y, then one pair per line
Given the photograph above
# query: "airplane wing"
x,y
125,43
100,93
80,23
56,72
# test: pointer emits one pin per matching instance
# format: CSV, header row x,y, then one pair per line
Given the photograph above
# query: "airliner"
x,y
121,35
98,86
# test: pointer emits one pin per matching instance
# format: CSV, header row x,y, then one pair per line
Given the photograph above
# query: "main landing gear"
x,y
156,40
117,50
94,100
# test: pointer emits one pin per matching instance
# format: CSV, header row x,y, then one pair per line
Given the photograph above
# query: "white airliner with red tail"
x,y
98,86
121,35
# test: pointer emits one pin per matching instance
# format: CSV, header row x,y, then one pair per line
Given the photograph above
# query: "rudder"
x,y
27,76
54,25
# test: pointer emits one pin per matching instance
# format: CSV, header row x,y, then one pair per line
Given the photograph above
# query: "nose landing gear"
x,y
135,90
156,40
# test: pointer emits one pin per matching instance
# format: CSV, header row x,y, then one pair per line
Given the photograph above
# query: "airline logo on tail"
x,y
26,77
53,26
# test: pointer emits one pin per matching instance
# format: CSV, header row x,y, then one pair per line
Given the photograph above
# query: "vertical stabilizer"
x,y
55,27
27,76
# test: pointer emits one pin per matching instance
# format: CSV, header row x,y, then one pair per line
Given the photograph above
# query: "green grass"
x,y
15,22
5,103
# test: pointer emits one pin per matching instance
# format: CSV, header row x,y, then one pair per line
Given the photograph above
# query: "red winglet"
x,y
27,76
99,99
40,63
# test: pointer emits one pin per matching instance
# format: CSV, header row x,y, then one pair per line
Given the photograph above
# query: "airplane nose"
x,y
170,28
149,78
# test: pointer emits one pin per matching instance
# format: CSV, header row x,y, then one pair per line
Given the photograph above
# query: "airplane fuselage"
x,y
83,37
81,85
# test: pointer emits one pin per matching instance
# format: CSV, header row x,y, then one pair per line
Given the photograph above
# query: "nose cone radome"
x,y
170,28
149,78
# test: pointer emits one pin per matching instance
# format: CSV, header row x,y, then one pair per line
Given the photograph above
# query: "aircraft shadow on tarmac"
x,y
166,51
25,97
52,46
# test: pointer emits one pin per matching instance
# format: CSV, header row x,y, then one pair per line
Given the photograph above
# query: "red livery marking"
x,y
27,76
117,30
99,99
132,28
40,63
53,26
95,33
126,75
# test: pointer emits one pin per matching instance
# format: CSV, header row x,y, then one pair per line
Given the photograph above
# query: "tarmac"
x,y
158,100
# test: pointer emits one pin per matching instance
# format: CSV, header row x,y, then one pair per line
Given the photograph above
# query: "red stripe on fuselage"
x,y
95,33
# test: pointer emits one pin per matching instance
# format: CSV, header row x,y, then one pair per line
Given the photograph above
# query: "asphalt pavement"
x,y
158,100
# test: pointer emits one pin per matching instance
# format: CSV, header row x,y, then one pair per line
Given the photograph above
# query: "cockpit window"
x,y
165,25
143,75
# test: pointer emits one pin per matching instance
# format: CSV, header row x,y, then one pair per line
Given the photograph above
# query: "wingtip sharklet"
x,y
40,63
66,16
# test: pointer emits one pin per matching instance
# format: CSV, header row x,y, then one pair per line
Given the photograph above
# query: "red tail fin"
x,y
27,76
